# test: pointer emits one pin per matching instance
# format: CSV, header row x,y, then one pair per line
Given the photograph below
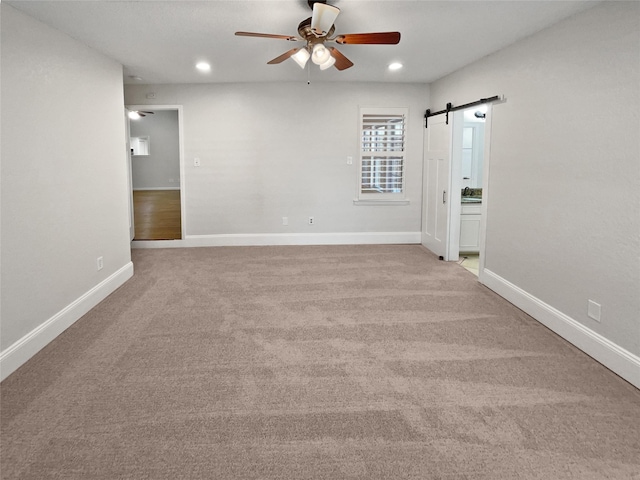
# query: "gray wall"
x,y
161,169
274,150
64,175
564,215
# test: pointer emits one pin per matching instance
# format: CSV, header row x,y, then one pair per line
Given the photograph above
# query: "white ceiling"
x,y
161,41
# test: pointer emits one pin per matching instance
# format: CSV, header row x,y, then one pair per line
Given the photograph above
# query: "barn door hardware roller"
x,y
451,108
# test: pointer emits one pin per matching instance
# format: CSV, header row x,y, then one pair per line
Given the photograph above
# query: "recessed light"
x,y
203,66
395,66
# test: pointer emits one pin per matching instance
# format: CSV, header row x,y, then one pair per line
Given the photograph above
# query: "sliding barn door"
x,y
436,182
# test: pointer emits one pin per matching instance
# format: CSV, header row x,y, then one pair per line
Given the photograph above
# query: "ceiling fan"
x,y
134,114
318,30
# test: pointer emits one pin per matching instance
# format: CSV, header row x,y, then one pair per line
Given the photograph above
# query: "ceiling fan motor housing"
x,y
306,33
311,2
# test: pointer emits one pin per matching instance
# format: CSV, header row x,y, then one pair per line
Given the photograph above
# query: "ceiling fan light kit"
x,y
316,31
328,63
301,57
320,54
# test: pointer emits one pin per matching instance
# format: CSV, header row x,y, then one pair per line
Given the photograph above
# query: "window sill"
x,y
387,202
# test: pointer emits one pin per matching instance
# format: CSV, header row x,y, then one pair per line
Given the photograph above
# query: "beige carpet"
x,y
341,362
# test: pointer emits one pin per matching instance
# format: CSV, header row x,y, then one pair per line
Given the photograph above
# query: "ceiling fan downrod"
x,y
311,2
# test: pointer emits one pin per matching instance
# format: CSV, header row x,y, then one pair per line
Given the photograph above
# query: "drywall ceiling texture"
x,y
64,177
161,41
270,150
564,220
161,168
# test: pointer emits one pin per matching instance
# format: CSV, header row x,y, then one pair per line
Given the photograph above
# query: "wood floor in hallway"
x,y
157,215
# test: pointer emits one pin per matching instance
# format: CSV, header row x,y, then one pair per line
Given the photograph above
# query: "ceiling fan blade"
x,y
141,114
283,57
267,35
150,113
342,62
323,18
374,38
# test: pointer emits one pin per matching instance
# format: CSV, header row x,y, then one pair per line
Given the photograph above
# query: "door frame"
x,y
484,208
179,108
455,209
132,228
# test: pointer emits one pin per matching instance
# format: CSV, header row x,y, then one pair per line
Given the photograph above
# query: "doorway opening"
x,y
470,262
468,158
156,169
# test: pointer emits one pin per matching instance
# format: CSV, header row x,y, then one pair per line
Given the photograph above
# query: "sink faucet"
x,y
467,191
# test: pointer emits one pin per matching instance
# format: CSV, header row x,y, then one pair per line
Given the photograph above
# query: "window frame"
x,y
381,197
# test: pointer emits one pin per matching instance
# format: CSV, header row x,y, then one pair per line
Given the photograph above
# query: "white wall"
x,y
564,212
64,183
271,150
161,168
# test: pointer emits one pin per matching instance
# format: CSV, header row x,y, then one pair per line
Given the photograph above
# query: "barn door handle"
x,y
444,196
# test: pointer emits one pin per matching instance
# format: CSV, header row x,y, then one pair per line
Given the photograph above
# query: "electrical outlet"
x,y
349,160
311,221
196,162
100,263
593,310
285,220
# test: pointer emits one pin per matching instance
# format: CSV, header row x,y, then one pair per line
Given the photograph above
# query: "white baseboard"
x,y
257,239
611,355
158,244
155,188
25,348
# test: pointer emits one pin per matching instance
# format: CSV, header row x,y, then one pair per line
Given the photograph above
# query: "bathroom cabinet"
x,y
470,228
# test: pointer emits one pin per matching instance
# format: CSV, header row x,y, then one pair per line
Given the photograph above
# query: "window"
x,y
382,149
139,146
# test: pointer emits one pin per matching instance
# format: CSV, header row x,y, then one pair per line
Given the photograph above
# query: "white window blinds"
x,y
382,149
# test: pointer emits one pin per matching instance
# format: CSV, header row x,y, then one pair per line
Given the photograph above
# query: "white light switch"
x,y
349,160
196,162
